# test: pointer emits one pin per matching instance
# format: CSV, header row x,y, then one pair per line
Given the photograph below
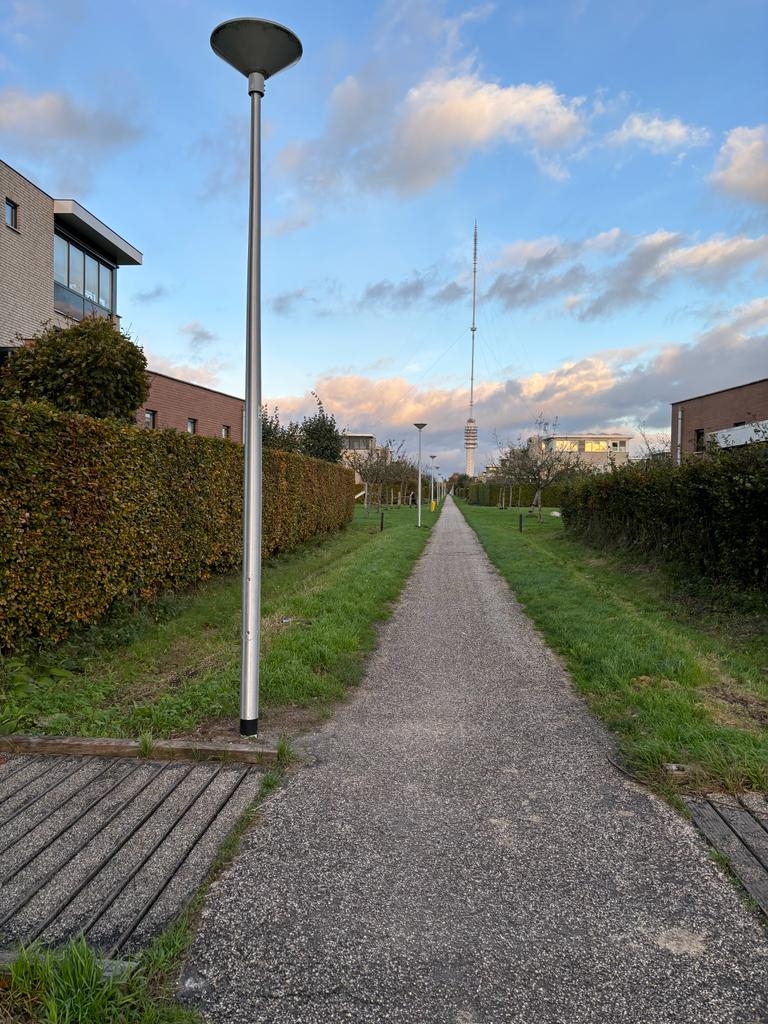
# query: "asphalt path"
x,y
458,849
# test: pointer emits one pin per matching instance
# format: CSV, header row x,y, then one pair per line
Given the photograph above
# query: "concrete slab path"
x,y
459,850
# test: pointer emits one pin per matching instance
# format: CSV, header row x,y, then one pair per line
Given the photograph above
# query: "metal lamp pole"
x,y
432,482
258,49
419,427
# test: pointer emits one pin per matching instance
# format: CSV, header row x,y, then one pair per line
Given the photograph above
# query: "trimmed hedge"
x,y
92,512
709,515
488,494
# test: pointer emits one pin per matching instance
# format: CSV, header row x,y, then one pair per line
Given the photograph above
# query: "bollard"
x,y
381,527
521,522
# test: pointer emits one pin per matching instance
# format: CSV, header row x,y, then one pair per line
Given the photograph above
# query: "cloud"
x,y
531,287
207,374
199,337
287,302
658,259
405,133
54,128
609,389
590,278
151,294
741,167
657,135
443,120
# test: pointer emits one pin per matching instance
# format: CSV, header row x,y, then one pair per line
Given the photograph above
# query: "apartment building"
x,y
58,263
731,417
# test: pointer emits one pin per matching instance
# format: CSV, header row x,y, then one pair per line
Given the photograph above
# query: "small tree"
x,y
319,436
90,368
536,463
274,435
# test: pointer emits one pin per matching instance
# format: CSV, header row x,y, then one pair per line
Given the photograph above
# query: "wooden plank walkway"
x,y
737,827
109,847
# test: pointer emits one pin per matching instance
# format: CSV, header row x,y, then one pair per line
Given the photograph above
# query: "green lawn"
x,y
163,670
680,677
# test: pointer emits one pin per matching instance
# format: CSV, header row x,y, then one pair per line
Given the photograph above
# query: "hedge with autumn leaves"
x,y
92,512
709,515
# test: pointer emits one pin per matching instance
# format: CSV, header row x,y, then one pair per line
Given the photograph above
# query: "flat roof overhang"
x,y
72,215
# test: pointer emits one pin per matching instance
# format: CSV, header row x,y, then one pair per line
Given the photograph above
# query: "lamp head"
x,y
253,45
419,426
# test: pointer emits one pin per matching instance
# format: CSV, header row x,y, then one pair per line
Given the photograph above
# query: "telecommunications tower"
x,y
470,429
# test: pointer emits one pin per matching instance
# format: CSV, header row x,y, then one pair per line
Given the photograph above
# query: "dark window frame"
x,y
11,214
150,419
73,303
191,425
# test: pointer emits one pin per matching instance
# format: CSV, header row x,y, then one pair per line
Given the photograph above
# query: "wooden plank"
x,y
757,805
746,827
749,870
162,750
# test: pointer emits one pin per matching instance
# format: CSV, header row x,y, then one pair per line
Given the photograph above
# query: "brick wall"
x,y
26,258
718,411
175,401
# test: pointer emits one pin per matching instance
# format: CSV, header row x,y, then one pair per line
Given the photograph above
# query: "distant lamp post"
x,y
432,482
258,49
419,427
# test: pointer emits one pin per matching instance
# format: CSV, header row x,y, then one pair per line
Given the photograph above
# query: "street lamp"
x,y
419,427
432,482
258,49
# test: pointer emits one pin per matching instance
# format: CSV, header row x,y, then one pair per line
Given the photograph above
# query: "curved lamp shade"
x,y
255,45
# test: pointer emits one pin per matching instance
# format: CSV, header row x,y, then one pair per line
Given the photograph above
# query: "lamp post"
x,y
419,427
258,49
432,482
436,469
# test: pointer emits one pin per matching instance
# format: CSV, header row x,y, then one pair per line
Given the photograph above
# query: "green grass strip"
x,y
163,670
679,679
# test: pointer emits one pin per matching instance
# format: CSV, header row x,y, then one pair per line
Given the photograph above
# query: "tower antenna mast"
x,y
470,429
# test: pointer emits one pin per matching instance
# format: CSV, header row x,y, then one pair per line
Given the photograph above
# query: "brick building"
x,y
730,417
179,405
58,263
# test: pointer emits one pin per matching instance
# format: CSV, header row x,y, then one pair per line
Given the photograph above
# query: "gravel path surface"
x,y
459,849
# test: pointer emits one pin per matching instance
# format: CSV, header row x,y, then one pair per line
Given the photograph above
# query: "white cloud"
x,y
741,168
55,128
657,135
207,373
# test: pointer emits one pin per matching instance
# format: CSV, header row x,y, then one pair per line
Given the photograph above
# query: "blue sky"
x,y
613,153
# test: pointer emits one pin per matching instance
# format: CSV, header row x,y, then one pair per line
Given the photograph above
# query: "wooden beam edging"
x,y
160,750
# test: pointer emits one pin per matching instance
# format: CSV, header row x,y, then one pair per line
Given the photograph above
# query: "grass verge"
x,y
161,671
680,676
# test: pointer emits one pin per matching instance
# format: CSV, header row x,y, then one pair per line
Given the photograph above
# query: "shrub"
x,y
91,368
490,494
93,512
707,515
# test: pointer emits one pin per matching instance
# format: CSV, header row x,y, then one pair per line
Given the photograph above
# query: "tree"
x,y
536,462
320,438
91,368
275,435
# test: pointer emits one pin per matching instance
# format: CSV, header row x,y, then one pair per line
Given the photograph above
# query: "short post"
x,y
381,527
521,522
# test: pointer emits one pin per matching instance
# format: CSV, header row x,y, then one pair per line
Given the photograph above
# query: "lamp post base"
x,y
249,726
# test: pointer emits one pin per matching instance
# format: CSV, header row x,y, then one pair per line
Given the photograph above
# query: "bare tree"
x,y
538,461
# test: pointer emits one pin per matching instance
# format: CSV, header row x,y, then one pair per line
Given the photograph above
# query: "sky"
x,y
613,153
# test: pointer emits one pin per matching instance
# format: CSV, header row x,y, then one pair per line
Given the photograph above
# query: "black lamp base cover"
x,y
249,726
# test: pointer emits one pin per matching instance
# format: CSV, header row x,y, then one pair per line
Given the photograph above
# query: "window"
x,y
191,426
224,430
564,444
698,440
150,419
82,283
595,446
12,214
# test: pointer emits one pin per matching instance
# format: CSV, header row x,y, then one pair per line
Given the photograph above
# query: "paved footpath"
x,y
459,850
